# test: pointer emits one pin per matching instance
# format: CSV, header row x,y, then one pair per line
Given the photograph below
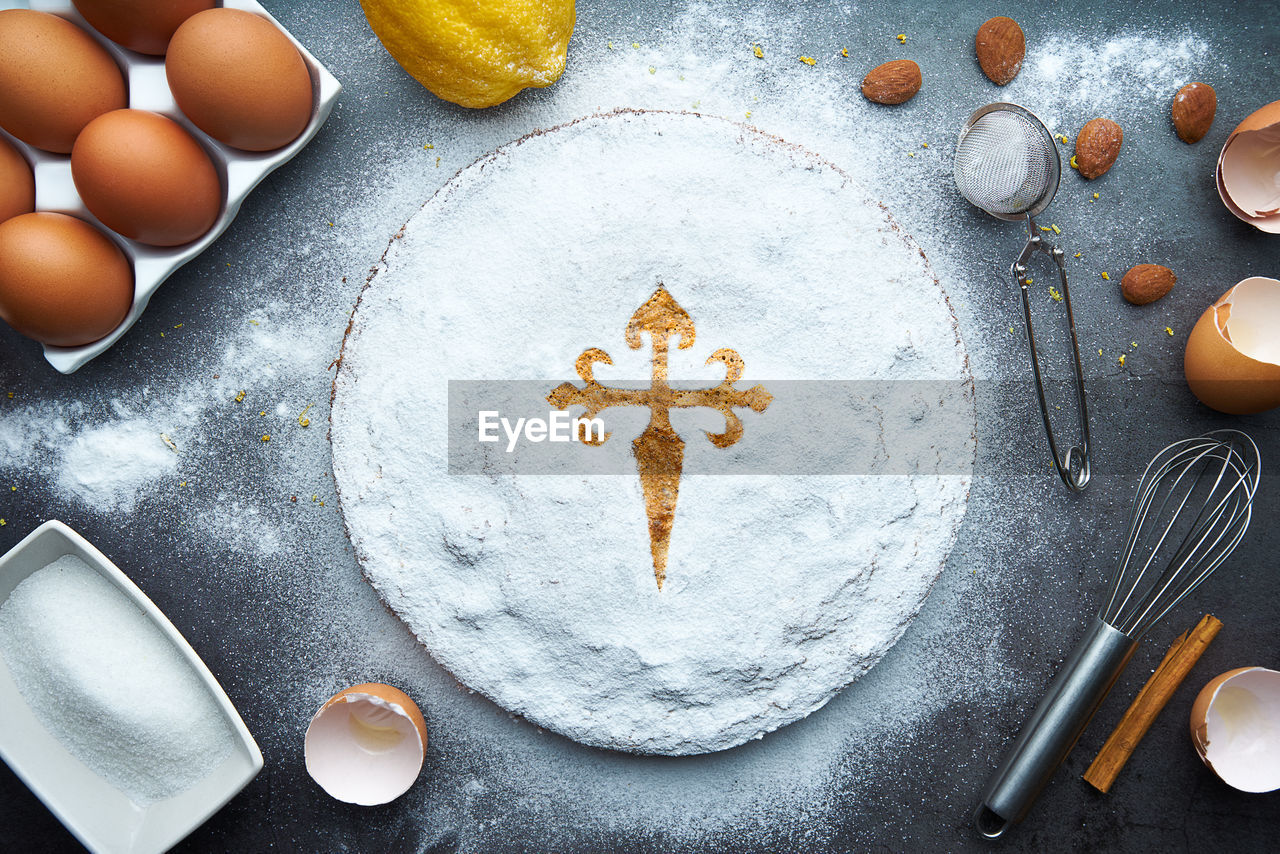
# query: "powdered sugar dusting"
x,y
538,590
107,466
1078,76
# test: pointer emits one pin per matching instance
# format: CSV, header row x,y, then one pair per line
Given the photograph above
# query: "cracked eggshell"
x,y
1232,360
1248,173
365,745
1235,727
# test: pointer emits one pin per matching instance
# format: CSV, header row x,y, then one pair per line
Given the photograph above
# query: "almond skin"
x,y
1000,46
1193,110
893,82
1147,283
1097,147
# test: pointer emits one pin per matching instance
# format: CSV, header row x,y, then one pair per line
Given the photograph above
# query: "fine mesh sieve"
x,y
1007,164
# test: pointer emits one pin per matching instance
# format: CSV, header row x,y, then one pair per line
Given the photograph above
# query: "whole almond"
x,y
1097,147
1000,46
893,82
1193,110
1147,283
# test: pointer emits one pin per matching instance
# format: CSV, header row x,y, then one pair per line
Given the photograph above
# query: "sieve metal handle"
x,y
1073,468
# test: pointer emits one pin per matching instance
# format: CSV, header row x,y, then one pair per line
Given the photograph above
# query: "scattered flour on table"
x,y
146,441
1074,75
108,465
831,762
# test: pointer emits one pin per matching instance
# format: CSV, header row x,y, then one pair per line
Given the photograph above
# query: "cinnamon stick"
x,y
1142,712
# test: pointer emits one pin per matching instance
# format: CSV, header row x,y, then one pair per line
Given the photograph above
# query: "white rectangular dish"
x,y
239,171
100,815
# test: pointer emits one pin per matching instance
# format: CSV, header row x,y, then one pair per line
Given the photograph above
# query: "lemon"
x,y
476,53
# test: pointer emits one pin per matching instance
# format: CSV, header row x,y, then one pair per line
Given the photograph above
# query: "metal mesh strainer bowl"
x,y
1008,165
1006,162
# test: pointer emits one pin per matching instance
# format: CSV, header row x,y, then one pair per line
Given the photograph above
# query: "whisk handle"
x,y
1054,727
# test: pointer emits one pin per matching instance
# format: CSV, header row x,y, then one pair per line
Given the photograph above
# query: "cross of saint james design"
x,y
659,450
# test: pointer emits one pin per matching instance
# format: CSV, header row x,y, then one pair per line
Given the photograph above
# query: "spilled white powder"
x,y
108,465
108,684
538,591
244,528
109,455
1088,72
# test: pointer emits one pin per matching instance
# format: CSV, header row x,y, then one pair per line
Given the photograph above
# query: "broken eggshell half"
x,y
1235,727
1248,174
1232,360
365,745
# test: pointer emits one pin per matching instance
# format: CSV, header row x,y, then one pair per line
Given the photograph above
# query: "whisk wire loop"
x,y
1168,551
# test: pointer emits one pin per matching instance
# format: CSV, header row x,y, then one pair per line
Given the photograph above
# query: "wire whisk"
x,y
1218,473
1192,508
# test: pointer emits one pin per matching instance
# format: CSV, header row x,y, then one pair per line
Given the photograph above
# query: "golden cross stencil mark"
x,y
659,450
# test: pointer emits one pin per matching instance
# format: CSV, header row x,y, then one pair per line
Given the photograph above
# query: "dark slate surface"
x,y
1043,566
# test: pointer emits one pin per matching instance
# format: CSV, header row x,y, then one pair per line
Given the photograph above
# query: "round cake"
x,y
768,466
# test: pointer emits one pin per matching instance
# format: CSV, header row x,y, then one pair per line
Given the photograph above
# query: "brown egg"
x,y
142,25
1232,361
62,281
54,79
239,79
17,184
145,177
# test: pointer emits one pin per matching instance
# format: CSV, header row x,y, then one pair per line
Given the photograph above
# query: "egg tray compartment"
x,y
238,171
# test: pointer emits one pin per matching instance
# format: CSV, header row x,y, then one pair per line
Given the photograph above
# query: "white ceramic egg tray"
x,y
100,815
240,171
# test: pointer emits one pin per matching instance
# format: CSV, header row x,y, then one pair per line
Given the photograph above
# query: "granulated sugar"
x,y
108,684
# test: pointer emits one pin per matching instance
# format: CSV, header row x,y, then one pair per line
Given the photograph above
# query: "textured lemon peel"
x,y
471,53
